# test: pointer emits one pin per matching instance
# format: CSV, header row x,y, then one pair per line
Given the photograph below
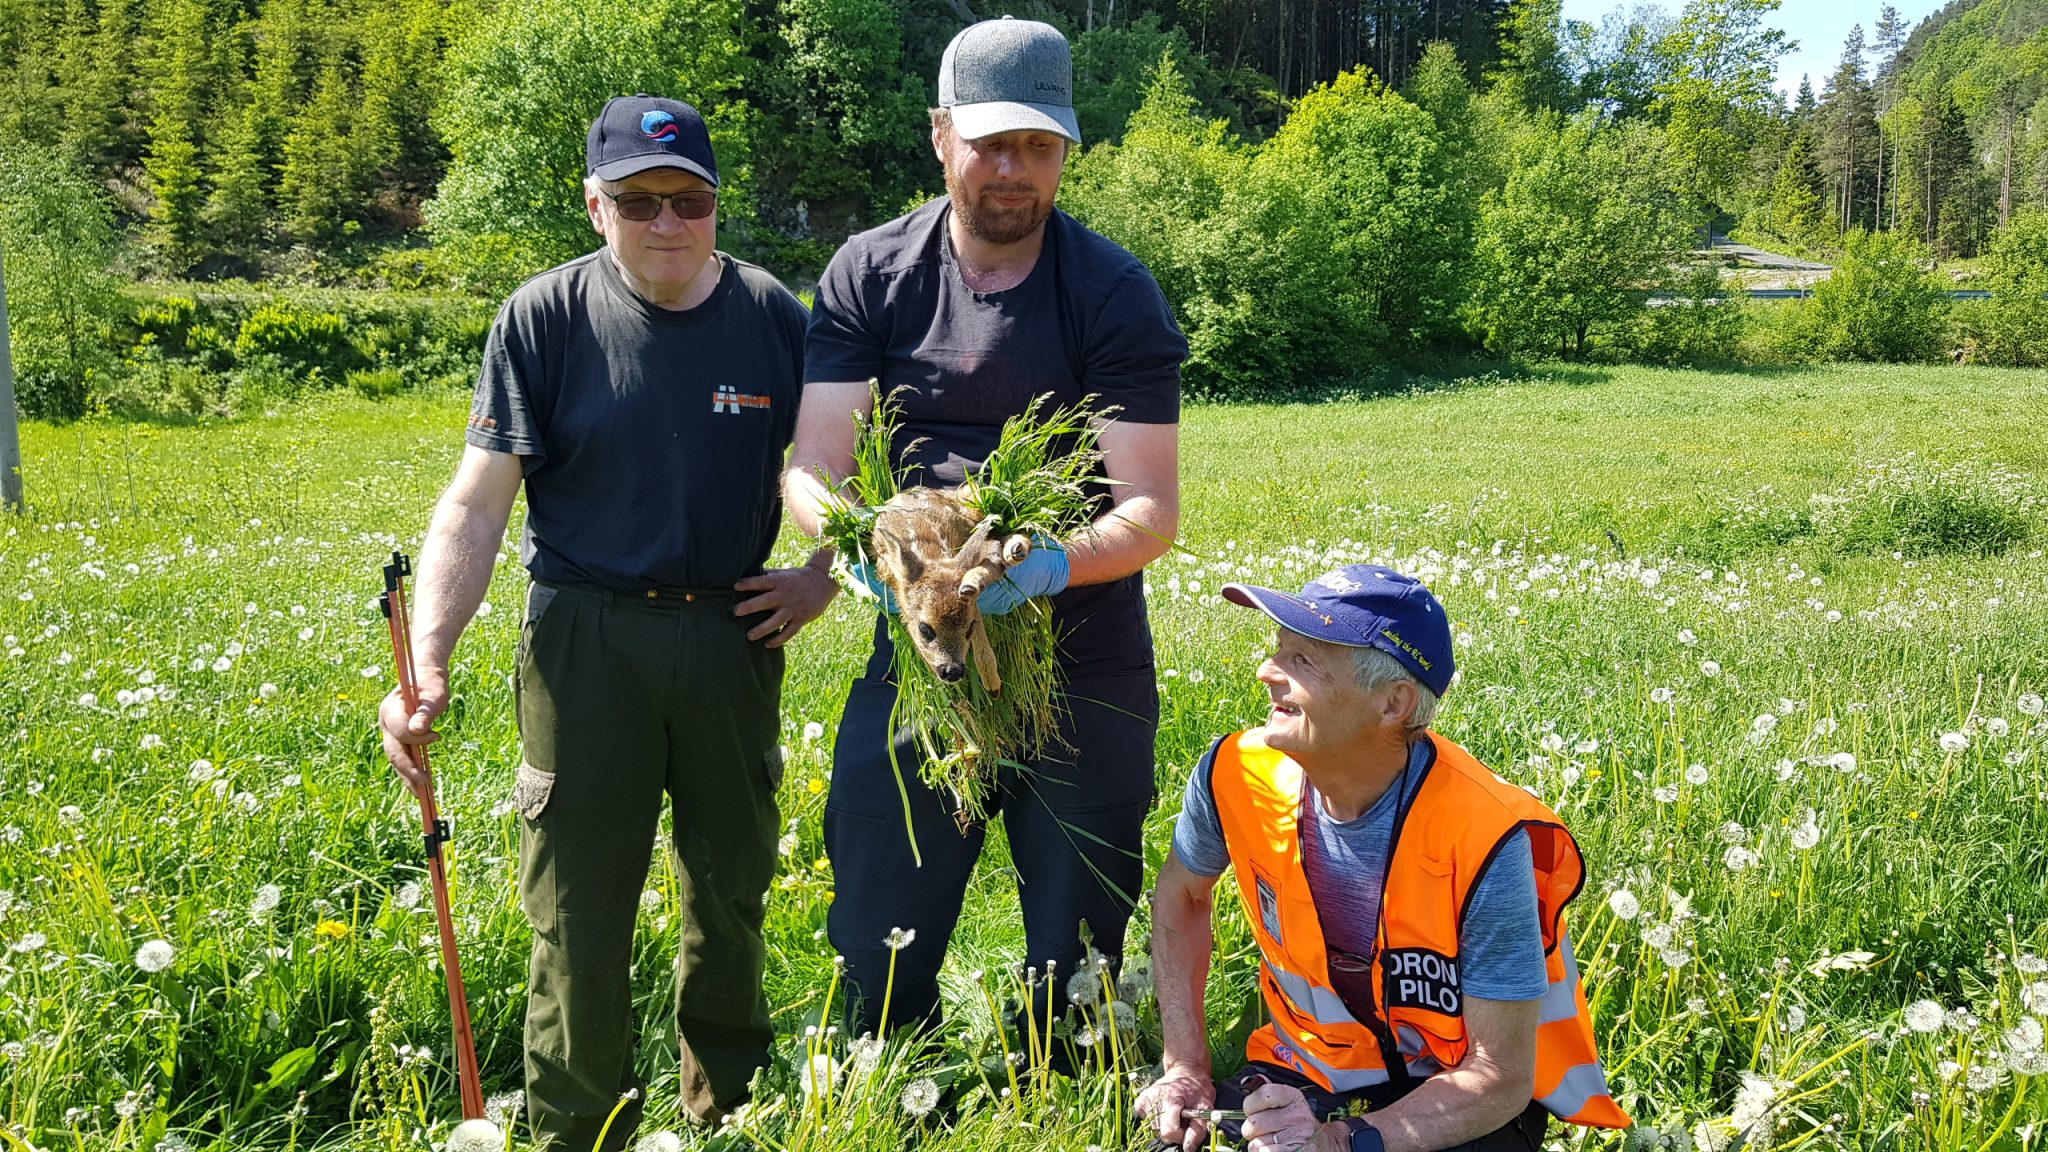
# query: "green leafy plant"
x,y
1039,480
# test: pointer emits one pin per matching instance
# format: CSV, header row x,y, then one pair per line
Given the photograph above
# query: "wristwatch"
x,y
1364,1137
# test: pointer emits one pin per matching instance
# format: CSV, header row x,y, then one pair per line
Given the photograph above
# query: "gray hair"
x,y
1376,669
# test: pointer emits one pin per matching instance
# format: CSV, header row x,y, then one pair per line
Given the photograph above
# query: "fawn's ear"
x,y
895,561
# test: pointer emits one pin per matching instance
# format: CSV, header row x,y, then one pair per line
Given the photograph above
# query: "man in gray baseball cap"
x,y
968,310
1009,75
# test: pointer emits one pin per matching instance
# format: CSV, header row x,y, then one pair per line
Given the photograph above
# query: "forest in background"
x,y
1318,184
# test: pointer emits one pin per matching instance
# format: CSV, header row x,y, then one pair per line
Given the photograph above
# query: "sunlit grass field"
x,y
1774,645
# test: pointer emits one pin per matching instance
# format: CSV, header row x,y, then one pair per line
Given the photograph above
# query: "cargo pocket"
x,y
530,793
531,790
772,764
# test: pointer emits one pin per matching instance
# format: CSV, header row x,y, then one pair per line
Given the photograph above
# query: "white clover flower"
x,y
1953,742
920,1096
899,938
1624,905
813,731
1925,1016
155,956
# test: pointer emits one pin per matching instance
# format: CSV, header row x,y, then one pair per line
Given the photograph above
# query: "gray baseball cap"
x,y
1009,75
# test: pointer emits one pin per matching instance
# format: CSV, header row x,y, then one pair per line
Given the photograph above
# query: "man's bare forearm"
x,y
1124,540
1181,941
454,571
1452,1108
806,495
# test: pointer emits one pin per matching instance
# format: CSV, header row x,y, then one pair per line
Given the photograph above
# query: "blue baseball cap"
x,y
1365,606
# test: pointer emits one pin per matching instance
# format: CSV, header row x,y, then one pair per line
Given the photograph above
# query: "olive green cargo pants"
x,y
623,697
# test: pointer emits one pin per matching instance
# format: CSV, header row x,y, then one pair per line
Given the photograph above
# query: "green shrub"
x,y
1740,526
1881,303
300,339
377,383
57,234
2012,326
1700,320
1919,508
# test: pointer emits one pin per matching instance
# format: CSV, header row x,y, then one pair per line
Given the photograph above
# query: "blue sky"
x,y
1819,26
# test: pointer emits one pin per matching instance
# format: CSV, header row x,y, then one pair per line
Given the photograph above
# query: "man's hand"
x,y
1277,1119
793,596
1180,1090
403,731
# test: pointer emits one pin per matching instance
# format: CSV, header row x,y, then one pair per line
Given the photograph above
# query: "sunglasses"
x,y
644,206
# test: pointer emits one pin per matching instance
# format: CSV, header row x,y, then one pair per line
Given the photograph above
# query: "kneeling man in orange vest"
x,y
1408,904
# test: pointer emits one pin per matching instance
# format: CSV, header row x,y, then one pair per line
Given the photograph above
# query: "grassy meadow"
x,y
1774,645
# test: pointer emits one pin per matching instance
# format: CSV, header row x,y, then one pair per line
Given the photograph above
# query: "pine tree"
x,y
1796,202
313,182
1847,123
177,86
1804,106
245,176
1531,71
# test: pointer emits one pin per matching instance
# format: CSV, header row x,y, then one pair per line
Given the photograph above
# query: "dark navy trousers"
x,y
1074,823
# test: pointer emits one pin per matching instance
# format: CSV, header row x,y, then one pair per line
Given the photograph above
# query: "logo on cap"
x,y
659,125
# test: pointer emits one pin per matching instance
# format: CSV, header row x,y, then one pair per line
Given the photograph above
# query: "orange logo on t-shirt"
x,y
730,399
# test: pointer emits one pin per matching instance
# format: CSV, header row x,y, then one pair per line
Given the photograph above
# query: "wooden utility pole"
x,y
10,433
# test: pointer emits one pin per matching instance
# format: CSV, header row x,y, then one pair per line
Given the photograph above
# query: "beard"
x,y
994,223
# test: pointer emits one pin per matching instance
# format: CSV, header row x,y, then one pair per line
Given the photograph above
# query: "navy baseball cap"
x,y
636,133
1365,606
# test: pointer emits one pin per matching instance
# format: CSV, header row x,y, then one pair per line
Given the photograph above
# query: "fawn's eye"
x,y
925,631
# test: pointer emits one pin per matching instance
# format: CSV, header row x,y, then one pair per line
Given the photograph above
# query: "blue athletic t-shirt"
x,y
1500,942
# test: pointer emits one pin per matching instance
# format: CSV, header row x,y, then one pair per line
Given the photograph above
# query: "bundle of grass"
x,y
1037,484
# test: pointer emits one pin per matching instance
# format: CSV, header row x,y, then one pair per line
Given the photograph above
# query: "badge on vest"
x,y
1421,978
1269,909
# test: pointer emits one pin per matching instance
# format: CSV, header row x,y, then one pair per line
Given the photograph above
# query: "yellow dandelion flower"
x,y
332,929
814,786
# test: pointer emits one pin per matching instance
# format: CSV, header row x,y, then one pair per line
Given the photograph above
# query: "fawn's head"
x,y
938,591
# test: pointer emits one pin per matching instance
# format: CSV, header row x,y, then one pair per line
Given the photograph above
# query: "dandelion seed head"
x,y
899,938
1953,742
1925,1016
920,1096
1624,905
662,1141
155,956
478,1135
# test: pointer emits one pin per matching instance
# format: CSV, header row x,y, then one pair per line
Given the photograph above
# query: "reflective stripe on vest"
x,y
1446,836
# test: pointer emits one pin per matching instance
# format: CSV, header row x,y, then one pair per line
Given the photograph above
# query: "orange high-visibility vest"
x,y
1444,839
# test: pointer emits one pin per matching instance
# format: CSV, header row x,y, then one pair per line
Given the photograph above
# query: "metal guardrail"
x,y
1807,293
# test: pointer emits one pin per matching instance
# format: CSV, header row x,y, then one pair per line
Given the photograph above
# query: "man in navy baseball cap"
x,y
1407,902
636,133
1365,605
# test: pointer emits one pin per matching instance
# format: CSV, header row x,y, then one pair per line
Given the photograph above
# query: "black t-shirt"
x,y
652,440
1088,321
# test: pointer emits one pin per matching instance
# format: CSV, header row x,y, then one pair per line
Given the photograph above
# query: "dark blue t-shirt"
x,y
1088,321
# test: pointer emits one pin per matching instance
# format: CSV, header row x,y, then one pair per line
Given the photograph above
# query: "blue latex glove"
x,y
866,577
1043,573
